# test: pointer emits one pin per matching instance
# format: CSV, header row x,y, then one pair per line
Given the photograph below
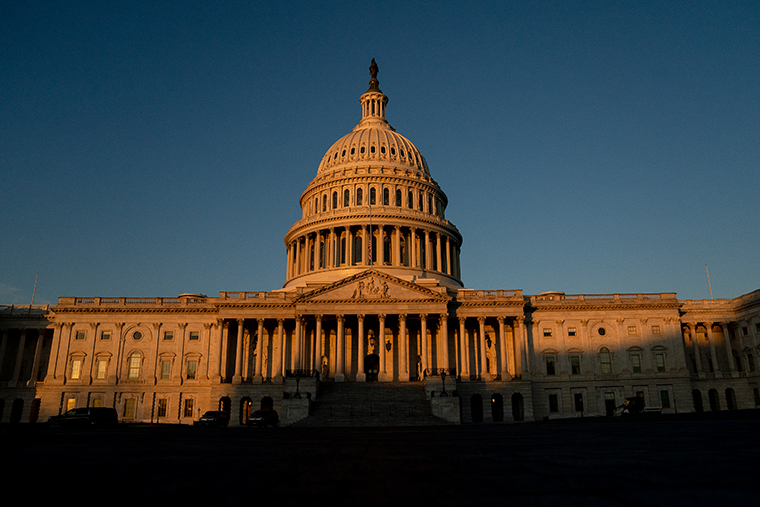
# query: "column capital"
x,y
317,317
481,319
500,319
360,316
381,317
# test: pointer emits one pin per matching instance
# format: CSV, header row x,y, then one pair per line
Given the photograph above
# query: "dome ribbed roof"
x,y
383,146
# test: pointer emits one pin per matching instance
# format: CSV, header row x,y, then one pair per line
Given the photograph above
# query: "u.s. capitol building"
x,y
374,326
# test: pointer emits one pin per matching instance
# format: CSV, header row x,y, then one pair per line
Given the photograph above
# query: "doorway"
x,y
372,367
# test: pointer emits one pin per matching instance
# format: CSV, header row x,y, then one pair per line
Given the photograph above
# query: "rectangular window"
x,y
632,331
745,330
188,412
166,369
757,327
571,331
575,365
76,369
168,335
192,367
102,366
636,363
105,335
71,404
550,370
79,335
553,404
162,404
578,402
130,404
97,402
655,329
659,361
194,335
547,332
665,398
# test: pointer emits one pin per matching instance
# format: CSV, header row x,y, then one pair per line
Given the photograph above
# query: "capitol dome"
x,y
373,204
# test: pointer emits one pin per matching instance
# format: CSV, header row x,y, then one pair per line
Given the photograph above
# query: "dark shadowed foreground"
x,y
673,462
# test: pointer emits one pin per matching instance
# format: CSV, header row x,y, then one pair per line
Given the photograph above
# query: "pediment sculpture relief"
x,y
371,290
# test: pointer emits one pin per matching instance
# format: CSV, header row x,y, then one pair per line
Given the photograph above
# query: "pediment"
x,y
372,286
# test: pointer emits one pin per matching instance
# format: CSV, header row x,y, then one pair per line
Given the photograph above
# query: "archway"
x,y
712,396
372,367
224,405
497,407
518,409
245,409
17,407
730,399
34,410
697,396
476,408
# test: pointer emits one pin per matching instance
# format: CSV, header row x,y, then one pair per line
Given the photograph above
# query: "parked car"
x,y
83,417
213,418
264,418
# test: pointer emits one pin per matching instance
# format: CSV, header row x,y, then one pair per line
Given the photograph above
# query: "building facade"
x,y
373,292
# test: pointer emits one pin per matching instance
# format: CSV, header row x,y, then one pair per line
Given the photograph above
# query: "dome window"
x,y
336,156
362,150
393,151
402,153
343,154
372,149
382,150
353,151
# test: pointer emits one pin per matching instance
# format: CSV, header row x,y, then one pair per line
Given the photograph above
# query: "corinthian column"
x,y
340,376
360,375
403,356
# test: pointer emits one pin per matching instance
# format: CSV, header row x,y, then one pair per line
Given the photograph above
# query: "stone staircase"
x,y
370,404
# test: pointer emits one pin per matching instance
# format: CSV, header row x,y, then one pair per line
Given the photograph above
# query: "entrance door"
x,y
372,367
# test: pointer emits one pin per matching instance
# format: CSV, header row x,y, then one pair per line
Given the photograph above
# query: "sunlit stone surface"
x,y
374,326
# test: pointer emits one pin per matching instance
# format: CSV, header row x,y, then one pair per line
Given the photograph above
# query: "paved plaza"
x,y
619,462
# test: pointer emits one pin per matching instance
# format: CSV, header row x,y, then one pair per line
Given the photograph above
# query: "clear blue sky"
x,y
154,148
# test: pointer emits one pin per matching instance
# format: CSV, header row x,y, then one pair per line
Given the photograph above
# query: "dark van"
x,y
86,416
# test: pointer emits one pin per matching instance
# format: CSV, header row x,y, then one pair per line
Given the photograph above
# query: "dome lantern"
x,y
373,104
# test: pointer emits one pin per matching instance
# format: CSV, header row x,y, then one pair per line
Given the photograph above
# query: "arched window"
x,y
335,200
420,201
372,196
359,196
324,203
358,249
386,197
346,198
712,396
398,197
410,199
134,366
605,360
